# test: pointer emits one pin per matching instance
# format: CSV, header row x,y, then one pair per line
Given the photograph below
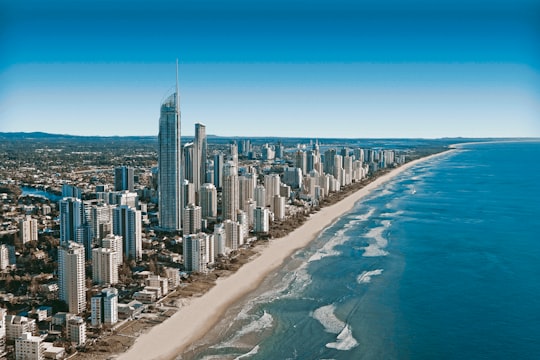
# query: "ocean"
x,y
442,262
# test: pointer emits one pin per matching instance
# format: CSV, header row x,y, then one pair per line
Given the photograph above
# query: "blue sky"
x,y
278,68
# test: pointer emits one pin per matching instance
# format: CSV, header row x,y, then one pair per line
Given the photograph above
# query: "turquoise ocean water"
x,y
443,262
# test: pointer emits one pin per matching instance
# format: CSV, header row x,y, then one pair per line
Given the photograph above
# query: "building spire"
x,y
177,93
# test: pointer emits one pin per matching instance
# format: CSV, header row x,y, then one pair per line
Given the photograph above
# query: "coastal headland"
x,y
194,319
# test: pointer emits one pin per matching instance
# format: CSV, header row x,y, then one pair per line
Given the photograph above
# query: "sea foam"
x,y
365,277
252,352
380,242
339,238
345,339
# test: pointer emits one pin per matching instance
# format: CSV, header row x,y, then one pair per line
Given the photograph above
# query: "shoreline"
x,y
192,321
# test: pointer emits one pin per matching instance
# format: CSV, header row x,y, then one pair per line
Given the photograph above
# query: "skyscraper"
x,y
230,200
104,266
199,157
123,178
192,219
71,218
195,246
208,200
114,242
218,170
28,230
71,276
105,307
170,163
127,223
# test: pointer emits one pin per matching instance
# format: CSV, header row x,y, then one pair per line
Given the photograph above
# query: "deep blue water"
x,y
443,262
42,193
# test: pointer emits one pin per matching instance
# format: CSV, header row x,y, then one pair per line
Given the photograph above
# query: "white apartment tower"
x,y
2,330
233,234
127,223
261,223
28,230
260,195
195,253
208,200
246,188
272,184
28,347
101,220
230,200
170,163
104,266
76,330
114,242
192,219
105,307
4,260
278,206
71,276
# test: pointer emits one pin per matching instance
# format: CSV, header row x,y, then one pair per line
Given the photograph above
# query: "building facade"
x,y
170,165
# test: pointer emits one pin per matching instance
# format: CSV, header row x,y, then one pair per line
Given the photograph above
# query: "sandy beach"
x,y
191,322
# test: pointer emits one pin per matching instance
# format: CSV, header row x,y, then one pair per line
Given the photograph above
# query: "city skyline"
x,y
469,69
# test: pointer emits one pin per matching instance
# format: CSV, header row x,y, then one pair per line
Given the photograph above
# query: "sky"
x,y
296,68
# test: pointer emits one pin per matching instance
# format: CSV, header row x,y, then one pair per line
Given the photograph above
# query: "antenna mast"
x,y
177,93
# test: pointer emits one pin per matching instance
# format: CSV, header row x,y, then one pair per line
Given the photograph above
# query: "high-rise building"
x,y
123,178
261,223
28,230
329,161
192,219
104,266
4,259
101,221
246,187
188,162
115,243
28,347
170,163
233,151
189,193
71,218
2,331
71,191
17,325
76,330
260,195
278,206
233,234
130,199
127,223
293,177
300,161
218,170
271,184
199,156
230,199
195,246
71,276
219,239
208,201
105,307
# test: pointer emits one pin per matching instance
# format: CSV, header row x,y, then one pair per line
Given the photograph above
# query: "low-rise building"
x,y
28,347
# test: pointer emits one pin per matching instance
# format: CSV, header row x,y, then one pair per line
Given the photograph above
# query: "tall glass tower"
x,y
170,163
199,157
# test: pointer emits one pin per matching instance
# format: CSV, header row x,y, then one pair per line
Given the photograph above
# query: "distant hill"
x,y
47,136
